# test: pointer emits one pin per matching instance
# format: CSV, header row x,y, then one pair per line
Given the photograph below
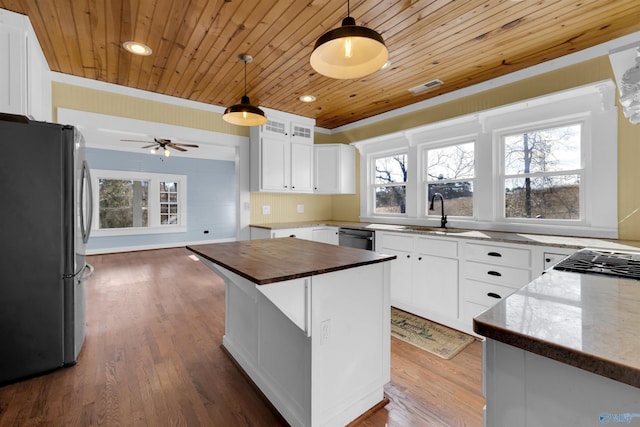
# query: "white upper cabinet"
x,y
25,86
282,154
335,169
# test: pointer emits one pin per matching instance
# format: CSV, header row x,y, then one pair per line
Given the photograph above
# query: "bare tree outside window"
x,y
390,184
450,171
542,171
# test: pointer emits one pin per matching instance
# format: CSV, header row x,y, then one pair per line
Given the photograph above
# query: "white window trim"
x,y
371,170
593,105
154,203
422,154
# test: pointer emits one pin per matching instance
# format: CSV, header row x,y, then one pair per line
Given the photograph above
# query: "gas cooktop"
x,y
590,261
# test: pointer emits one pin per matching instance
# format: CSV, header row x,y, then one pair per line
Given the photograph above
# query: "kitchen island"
x,y
563,350
308,322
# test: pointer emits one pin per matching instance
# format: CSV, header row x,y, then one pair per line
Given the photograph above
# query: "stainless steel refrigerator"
x,y
45,222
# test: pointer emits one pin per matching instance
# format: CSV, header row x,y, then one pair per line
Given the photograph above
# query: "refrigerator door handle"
x,y
86,206
90,273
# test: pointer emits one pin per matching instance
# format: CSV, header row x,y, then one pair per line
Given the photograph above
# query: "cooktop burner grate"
x,y
615,264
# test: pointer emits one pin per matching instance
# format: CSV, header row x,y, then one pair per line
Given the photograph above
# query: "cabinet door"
x,y
401,275
435,286
326,179
12,70
275,164
301,133
301,167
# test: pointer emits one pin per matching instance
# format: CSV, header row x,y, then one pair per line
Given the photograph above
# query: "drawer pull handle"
x,y
408,256
292,235
495,254
494,273
494,295
419,258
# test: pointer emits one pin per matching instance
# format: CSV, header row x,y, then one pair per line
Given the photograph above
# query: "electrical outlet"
x,y
300,208
266,210
325,331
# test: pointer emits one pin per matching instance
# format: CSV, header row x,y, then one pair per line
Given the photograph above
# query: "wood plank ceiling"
x,y
196,45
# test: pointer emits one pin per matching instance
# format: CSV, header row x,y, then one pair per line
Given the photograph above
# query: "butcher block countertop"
x,y
588,321
267,261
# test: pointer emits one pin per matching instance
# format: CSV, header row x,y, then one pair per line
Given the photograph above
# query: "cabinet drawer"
x,y
437,247
498,274
486,294
502,255
396,241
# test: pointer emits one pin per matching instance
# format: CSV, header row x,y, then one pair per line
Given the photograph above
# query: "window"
x,y
450,171
544,165
390,178
168,202
139,203
542,173
123,203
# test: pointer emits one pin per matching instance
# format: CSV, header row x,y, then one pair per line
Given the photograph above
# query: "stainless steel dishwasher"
x,y
356,238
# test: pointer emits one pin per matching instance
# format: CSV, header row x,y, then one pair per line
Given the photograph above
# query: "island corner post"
x,y
308,323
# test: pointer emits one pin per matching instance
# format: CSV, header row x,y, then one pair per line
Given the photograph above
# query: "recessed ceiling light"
x,y
307,98
137,48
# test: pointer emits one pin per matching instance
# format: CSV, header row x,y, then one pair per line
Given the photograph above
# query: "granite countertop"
x,y
568,242
274,260
588,321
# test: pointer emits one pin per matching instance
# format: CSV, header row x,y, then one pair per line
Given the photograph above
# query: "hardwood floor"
x,y
152,357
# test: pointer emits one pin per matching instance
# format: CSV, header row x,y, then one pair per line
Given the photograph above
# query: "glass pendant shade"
x,y
244,114
349,52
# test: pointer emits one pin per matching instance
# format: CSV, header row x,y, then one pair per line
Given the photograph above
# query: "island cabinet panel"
x,y
526,389
317,346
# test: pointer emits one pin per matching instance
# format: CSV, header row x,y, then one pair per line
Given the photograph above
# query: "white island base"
x,y
318,347
528,390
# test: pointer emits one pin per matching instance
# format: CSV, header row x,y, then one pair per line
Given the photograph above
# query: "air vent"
x,y
432,84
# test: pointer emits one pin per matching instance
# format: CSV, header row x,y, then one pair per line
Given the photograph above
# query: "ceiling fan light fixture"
x,y
349,52
244,114
167,153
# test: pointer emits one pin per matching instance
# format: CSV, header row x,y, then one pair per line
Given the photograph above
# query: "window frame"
x,y
581,171
154,224
424,182
374,185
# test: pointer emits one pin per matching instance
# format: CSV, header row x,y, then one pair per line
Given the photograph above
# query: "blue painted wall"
x,y
211,196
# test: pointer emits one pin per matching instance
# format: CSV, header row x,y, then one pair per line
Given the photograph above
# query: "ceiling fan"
x,y
162,144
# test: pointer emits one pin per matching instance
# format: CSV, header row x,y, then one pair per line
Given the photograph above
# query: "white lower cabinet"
x,y
451,280
324,234
424,277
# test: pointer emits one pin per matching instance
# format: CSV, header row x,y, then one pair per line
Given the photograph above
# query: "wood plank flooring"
x,y
152,357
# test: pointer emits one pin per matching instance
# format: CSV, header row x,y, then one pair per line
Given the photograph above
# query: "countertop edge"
x,y
569,356
257,281
560,241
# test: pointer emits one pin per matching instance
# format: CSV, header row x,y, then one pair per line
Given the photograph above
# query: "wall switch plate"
x,y
300,208
266,210
325,331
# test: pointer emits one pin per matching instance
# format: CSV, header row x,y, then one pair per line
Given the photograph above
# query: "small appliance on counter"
x,y
45,223
607,263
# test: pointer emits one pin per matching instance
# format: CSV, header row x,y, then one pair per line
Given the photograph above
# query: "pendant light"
x,y
245,114
349,52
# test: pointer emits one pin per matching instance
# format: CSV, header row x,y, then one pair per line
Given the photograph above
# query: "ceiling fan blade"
x,y
172,145
134,140
185,145
149,146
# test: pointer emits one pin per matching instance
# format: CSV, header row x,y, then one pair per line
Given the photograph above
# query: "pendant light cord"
x,y
245,77
348,9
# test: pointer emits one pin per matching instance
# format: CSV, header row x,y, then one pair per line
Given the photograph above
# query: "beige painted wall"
x,y
346,207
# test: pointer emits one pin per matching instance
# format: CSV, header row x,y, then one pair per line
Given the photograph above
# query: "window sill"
x,y
138,231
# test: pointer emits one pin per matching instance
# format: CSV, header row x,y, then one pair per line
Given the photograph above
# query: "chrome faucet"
x,y
443,218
